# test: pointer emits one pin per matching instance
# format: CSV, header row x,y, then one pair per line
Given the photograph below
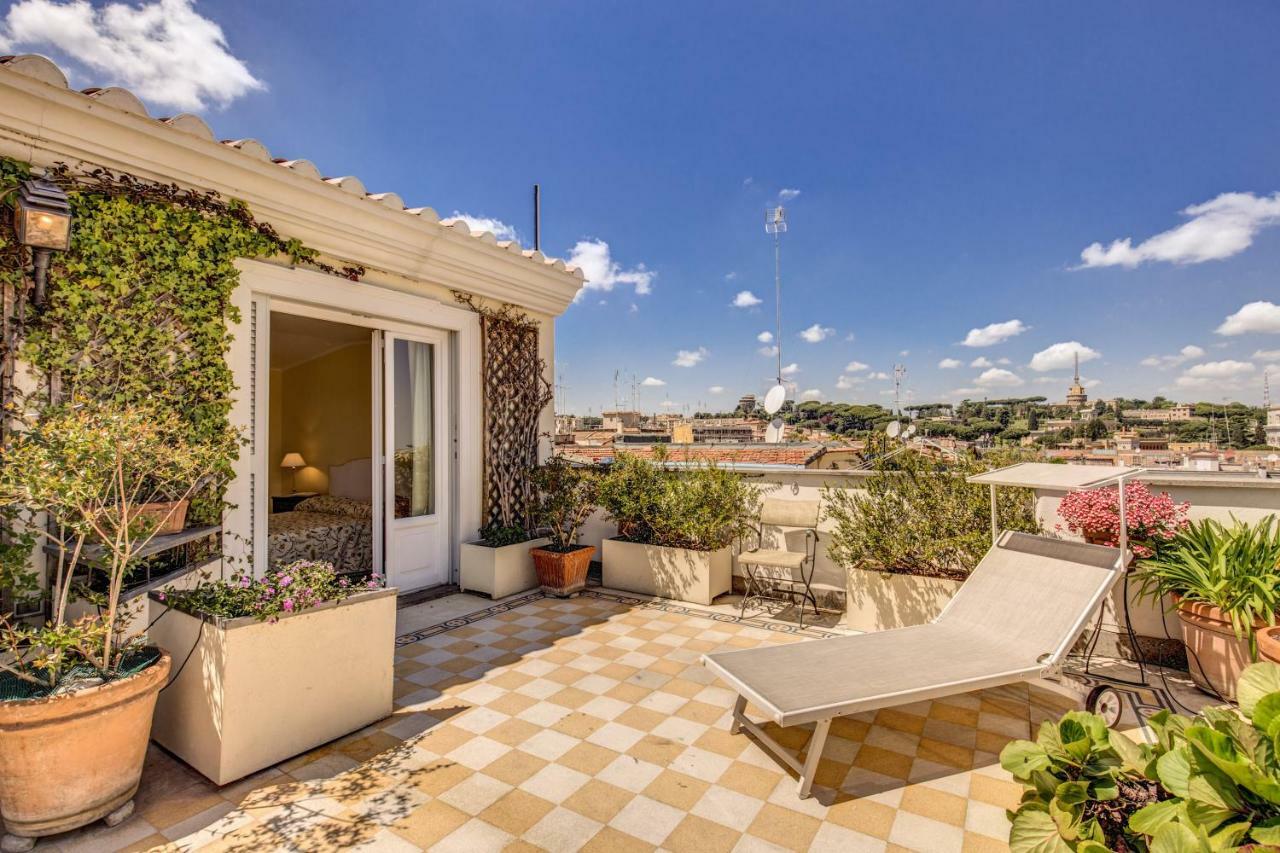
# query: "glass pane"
x,y
414,428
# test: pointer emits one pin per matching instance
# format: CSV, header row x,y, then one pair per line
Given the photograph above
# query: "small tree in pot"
x,y
76,697
565,498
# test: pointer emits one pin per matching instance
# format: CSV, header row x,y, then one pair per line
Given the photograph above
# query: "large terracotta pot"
x,y
68,760
1215,655
562,573
1269,644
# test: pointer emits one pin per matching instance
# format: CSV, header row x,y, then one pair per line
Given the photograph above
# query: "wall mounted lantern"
x,y
42,220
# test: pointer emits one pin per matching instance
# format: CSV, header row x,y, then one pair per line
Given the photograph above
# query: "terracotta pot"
x,y
1269,644
1096,537
68,760
562,573
171,516
1215,655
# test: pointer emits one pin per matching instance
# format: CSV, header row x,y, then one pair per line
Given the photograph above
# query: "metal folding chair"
x,y
779,570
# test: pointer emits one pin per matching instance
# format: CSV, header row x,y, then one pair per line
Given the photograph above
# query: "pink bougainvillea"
x,y
1095,514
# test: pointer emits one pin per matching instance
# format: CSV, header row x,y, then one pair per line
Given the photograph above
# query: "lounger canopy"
x,y
1015,618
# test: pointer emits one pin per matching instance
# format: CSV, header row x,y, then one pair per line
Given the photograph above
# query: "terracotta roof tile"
x,y
742,454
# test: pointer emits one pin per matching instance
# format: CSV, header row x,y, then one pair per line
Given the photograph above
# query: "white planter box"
x,y
878,601
694,576
253,693
499,572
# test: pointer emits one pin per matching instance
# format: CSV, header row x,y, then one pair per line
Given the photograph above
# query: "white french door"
x,y
415,459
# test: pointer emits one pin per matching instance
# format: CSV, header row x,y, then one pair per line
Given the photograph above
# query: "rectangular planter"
x,y
878,601
499,572
253,693
694,576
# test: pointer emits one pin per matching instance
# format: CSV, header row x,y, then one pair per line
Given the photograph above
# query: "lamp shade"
x,y
293,460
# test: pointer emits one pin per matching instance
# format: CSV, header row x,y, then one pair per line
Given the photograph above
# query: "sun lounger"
x,y
1014,619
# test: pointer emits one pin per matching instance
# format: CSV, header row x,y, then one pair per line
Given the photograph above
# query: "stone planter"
x,y
499,572
679,573
68,760
880,601
1215,655
562,573
255,693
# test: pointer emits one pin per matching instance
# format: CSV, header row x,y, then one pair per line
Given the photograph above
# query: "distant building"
x,y
727,430
1273,426
1180,412
1202,460
1076,397
618,421
682,433
747,403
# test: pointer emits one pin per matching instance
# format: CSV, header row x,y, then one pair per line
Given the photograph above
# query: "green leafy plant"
x,y
917,515
704,508
1236,569
1082,782
565,496
290,588
89,468
499,536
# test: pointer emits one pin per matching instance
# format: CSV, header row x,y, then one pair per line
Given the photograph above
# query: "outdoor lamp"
x,y
42,220
293,461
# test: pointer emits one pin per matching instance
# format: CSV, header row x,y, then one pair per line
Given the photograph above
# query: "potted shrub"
x,y
274,666
500,563
565,497
1153,519
1225,585
674,528
1207,783
76,696
911,536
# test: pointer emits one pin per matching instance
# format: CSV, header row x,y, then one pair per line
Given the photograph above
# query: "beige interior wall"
x,y
275,432
326,407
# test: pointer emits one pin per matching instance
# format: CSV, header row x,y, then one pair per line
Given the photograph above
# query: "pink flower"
x,y
288,605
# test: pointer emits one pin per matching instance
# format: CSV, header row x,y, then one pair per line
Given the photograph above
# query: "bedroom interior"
x,y
320,437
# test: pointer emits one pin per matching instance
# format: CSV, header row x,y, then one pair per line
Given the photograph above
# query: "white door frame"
x,y
265,287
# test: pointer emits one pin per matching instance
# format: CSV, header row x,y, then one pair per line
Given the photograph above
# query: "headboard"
x,y
352,479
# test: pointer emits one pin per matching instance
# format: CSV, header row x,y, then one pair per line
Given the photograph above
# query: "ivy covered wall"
x,y
139,309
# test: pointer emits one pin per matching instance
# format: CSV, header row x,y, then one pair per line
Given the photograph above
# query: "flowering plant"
x,y
1153,519
286,589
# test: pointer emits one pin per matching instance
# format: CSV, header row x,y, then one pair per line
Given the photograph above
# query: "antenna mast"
x,y
899,371
775,223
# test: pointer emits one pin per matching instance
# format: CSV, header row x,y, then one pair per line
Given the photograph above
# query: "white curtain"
x,y
421,427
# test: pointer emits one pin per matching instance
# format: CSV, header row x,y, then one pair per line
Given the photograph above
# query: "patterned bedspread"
x,y
325,527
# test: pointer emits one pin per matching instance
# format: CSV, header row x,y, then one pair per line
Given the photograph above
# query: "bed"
x,y
337,527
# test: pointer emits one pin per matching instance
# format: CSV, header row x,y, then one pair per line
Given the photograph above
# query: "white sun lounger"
x,y
1014,619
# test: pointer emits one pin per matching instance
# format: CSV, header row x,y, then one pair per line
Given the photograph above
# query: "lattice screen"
x,y
516,390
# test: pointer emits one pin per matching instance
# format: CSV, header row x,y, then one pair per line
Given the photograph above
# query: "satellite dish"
x,y
773,432
893,429
911,430
775,398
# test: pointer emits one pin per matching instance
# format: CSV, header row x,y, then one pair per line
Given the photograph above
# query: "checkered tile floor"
x,y
589,724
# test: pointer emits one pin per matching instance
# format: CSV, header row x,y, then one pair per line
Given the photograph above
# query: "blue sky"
x,y
952,162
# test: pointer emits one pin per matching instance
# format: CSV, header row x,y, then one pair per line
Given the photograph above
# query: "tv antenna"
x,y
775,223
899,371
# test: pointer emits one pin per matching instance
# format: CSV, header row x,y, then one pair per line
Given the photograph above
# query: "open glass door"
x,y
415,462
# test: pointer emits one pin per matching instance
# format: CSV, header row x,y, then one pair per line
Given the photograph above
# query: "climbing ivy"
x,y
139,309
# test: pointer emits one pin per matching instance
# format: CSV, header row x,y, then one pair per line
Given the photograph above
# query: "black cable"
x,y
174,677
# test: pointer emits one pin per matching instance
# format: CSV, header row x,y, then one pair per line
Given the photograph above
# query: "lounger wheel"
x,y
1106,703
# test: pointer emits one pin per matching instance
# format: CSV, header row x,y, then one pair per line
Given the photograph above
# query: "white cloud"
x,y
1003,361
844,383
904,353
981,361
652,382
1060,356
993,334
1268,354
949,364
817,333
768,352
716,389
791,369
690,357
668,404
634,309
730,276
966,392
1187,353
746,299
998,377
1215,375
765,337
496,227
163,51
787,193
602,272
1253,317
1052,380
1217,229
811,394
854,367
879,375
